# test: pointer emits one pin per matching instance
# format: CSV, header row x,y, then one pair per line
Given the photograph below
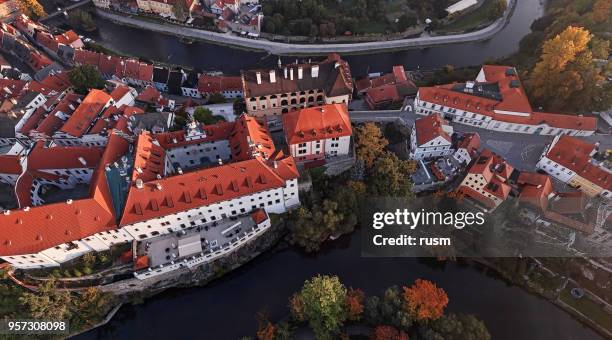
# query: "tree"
x,y
91,305
391,176
79,18
424,300
406,21
600,48
216,98
456,327
48,303
602,11
354,304
85,77
324,299
498,9
566,78
205,116
388,309
31,8
370,143
385,332
296,306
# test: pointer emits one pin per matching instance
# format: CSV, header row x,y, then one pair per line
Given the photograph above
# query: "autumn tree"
x,y
455,327
602,11
91,305
48,303
424,300
31,8
370,143
385,332
391,176
324,299
296,306
85,77
354,304
566,78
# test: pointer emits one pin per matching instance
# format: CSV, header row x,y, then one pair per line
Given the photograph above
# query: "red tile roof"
x,y
87,57
63,157
535,189
214,84
67,38
57,82
470,142
152,96
10,164
198,188
149,158
575,154
316,123
250,138
51,123
429,128
513,99
86,113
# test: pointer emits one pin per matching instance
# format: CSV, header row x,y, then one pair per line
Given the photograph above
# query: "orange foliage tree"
x,y
296,306
385,332
354,303
266,331
424,300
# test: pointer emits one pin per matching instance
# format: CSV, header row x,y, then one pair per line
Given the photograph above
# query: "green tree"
x,y
90,306
48,303
216,98
370,143
456,327
85,77
205,116
324,299
81,19
406,21
388,309
32,8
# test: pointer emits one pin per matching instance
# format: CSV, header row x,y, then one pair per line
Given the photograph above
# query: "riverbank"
x,y
285,49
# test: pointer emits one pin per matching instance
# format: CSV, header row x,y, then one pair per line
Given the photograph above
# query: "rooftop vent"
x,y
139,183
69,201
26,209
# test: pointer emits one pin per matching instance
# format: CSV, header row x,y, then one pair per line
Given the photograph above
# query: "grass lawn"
x,y
470,20
589,308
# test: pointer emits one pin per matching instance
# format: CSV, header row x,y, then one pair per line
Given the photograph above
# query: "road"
x,y
279,48
521,150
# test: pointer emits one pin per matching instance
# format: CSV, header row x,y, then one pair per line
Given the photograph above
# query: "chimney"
x,y
273,76
158,186
69,201
285,73
83,161
315,71
180,171
291,74
258,75
7,212
139,183
220,161
275,164
300,72
26,209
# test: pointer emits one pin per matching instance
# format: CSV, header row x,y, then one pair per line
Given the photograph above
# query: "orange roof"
x,y
513,99
316,123
149,158
55,82
429,128
86,113
535,189
67,37
63,157
249,138
213,84
150,95
119,92
51,123
198,188
174,139
259,215
575,154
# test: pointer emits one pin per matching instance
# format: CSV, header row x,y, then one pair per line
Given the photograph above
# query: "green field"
x,y
471,20
589,308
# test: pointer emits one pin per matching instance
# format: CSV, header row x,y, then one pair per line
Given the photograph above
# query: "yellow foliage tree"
x,y
31,8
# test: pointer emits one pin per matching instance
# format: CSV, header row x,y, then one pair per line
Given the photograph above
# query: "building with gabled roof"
x,y
467,147
497,101
272,92
317,133
431,136
229,87
487,181
82,119
571,160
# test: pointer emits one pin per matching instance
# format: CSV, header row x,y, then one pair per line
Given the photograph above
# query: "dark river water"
x,y
206,56
226,308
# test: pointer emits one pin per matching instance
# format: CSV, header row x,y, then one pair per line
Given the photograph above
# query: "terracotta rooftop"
x,y
214,84
79,123
575,154
316,123
429,128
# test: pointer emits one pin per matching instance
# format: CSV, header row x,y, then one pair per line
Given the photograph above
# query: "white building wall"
x,y
188,156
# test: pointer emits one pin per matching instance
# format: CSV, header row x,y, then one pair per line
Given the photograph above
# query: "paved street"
x,y
521,150
278,48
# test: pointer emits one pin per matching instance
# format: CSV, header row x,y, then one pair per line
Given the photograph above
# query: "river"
x,y
226,308
207,56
